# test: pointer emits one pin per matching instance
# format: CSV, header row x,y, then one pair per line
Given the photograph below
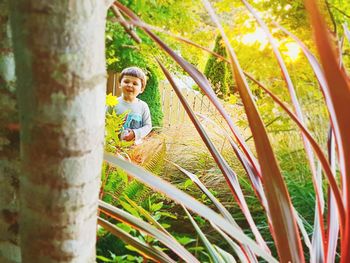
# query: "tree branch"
x,y
340,11
267,125
124,23
332,17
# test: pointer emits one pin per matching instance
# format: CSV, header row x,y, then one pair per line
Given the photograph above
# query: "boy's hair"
x,y
134,72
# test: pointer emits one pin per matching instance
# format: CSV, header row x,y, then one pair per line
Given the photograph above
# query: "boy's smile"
x,y
131,87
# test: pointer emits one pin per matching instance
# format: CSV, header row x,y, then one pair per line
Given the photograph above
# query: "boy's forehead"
x,y
131,77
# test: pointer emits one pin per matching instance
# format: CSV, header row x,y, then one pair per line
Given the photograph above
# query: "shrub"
x,y
216,69
151,96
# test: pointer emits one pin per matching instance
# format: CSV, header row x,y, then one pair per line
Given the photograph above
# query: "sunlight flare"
x,y
293,50
258,36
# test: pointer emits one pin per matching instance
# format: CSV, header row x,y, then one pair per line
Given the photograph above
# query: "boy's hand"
x,y
129,136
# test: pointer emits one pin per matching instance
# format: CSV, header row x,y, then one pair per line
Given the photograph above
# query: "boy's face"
x,y
131,87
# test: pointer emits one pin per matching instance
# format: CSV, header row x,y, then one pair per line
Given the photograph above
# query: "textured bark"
x,y
61,80
9,145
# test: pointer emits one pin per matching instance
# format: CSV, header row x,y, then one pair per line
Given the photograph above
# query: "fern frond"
x,y
155,163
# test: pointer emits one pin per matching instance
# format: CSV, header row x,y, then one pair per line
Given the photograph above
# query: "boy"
x,y
138,119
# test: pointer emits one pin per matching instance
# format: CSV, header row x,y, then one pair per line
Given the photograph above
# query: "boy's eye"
x,y
135,83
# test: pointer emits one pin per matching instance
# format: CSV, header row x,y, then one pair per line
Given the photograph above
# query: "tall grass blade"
x,y
253,177
297,108
303,230
255,180
317,69
317,254
175,36
237,249
145,250
228,258
283,224
279,59
325,165
346,32
228,173
339,92
258,189
333,221
220,207
189,202
137,223
215,257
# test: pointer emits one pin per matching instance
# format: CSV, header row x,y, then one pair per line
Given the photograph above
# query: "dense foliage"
x,y
151,96
216,69
257,58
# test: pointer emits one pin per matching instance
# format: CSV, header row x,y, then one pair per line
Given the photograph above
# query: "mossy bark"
x,y
61,80
9,145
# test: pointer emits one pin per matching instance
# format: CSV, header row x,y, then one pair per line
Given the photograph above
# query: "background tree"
x,y
9,145
152,96
60,67
216,69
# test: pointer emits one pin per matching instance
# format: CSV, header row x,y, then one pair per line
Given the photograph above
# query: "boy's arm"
x,y
147,124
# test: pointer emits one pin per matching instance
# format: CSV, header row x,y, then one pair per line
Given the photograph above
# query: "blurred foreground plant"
x,y
263,169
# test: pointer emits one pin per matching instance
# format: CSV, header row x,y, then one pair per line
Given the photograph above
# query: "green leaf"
x,y
144,249
145,227
188,183
165,225
125,227
129,208
156,207
104,259
184,240
167,214
211,250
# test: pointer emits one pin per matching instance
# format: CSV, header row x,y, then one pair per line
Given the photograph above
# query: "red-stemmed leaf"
x,y
214,255
333,221
253,177
256,182
180,197
283,224
325,165
297,108
229,174
339,93
218,205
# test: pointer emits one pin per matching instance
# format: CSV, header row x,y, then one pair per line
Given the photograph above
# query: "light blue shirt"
x,y
138,117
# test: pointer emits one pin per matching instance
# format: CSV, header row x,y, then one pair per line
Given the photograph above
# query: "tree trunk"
x,y
9,145
61,78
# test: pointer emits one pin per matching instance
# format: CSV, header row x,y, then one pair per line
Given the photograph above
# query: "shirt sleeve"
x,y
146,124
